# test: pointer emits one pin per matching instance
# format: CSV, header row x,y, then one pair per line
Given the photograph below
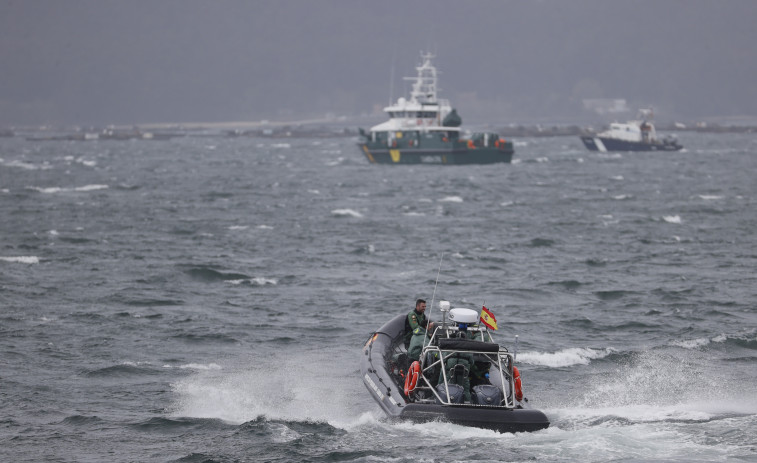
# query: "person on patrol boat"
x,y
418,326
416,322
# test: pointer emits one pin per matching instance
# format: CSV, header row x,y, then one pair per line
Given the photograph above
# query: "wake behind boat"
x,y
426,130
461,376
631,136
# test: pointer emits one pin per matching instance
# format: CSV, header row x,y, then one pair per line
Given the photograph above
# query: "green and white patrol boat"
x,y
426,130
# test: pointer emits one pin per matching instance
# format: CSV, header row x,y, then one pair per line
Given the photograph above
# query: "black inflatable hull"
x,y
497,419
385,390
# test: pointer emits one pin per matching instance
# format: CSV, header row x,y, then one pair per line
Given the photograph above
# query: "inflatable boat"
x,y
461,376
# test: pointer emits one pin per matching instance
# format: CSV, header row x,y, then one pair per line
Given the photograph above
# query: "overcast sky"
x,y
128,62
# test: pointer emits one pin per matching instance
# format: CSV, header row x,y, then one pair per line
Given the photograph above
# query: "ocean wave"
x,y
123,370
51,190
541,243
210,275
672,219
206,338
747,340
566,357
25,165
21,259
346,213
451,199
257,281
196,366
161,424
81,420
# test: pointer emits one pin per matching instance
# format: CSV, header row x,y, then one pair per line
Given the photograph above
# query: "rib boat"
x,y
430,389
426,130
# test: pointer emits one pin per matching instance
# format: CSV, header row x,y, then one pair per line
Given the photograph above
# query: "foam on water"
x,y
51,190
22,259
275,387
564,358
672,218
346,213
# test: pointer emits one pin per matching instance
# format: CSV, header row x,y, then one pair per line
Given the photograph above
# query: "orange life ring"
x,y
410,143
411,380
518,384
470,144
394,144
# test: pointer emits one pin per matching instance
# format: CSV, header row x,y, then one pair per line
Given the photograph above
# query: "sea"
x,y
206,298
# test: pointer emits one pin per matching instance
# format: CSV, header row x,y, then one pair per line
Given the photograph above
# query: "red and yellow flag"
x,y
487,318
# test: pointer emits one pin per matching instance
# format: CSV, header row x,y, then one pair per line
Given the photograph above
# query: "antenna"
x,y
437,280
444,318
391,82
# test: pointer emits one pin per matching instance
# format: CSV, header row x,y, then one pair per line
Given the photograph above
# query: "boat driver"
x,y
419,328
416,322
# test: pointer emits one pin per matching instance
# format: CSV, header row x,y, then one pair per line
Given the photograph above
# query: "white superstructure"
x,y
423,111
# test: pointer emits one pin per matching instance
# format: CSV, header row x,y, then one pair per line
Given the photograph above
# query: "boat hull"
x,y
611,144
496,419
445,153
376,365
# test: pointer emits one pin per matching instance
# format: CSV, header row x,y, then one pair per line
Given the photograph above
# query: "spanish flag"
x,y
487,318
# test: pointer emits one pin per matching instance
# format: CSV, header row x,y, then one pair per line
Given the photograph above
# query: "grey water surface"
x,y
206,299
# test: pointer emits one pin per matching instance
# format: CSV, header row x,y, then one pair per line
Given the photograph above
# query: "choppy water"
x,y
205,299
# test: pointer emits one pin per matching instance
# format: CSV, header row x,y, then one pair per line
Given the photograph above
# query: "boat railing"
x,y
502,359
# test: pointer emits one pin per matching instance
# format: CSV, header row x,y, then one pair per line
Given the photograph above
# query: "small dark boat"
x,y
433,395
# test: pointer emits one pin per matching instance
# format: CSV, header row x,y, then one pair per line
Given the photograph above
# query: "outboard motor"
x,y
456,393
486,394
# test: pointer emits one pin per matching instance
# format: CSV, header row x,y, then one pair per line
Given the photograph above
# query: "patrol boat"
x,y
431,389
631,136
426,130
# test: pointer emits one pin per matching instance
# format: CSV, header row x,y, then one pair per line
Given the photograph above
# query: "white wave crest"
x,y
565,357
25,165
50,190
257,281
22,259
691,343
346,213
710,197
672,218
451,199
91,187
199,366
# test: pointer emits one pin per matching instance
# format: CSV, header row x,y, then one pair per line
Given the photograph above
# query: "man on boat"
x,y
417,327
416,322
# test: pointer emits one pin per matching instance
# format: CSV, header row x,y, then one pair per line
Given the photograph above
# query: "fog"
x,y
131,62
